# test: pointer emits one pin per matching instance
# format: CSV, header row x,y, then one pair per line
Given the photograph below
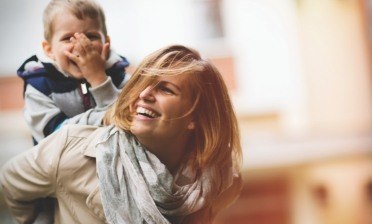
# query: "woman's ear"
x,y
191,125
47,47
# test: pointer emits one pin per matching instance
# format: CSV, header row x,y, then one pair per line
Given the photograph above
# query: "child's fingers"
x,y
78,48
84,42
73,39
71,56
78,51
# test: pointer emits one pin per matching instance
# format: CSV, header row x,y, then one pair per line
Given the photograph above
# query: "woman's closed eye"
x,y
166,90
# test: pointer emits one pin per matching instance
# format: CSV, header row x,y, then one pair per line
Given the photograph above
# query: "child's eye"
x,y
93,37
66,39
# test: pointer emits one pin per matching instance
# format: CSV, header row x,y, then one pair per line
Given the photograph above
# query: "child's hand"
x,y
90,61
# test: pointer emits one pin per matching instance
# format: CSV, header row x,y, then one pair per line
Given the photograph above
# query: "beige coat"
x,y
63,167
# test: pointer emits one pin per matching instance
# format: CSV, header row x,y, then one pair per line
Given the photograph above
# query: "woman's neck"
x,y
169,152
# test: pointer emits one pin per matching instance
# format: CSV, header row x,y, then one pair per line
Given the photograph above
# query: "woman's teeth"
x,y
146,112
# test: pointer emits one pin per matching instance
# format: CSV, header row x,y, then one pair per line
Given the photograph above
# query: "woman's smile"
x,y
143,112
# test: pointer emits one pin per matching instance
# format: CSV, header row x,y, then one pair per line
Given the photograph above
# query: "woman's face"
x,y
160,111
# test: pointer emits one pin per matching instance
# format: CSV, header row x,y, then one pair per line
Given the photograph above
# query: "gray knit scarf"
x,y
137,188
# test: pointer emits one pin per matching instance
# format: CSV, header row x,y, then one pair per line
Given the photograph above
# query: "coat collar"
x,y
89,147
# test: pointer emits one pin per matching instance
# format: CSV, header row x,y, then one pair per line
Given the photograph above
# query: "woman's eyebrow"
x,y
170,83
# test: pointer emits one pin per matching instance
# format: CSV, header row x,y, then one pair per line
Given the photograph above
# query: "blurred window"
x,y
210,13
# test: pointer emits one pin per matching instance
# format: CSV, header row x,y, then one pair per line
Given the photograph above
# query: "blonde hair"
x,y
79,8
216,135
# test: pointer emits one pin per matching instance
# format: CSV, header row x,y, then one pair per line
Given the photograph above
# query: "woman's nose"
x,y
147,94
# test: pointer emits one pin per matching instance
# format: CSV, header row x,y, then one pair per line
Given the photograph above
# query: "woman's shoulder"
x,y
85,136
82,130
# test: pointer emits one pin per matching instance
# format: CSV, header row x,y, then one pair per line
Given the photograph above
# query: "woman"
x,y
169,154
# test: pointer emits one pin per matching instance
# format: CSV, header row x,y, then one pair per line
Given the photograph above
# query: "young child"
x,y
79,77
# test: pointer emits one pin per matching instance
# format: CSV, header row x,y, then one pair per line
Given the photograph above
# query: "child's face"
x,y
65,25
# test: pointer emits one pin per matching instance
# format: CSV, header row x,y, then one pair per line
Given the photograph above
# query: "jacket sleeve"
x,y
31,176
104,96
41,114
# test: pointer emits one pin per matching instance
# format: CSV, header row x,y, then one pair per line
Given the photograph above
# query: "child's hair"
x,y
80,8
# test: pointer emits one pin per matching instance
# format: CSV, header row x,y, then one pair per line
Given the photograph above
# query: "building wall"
x,y
337,63
332,192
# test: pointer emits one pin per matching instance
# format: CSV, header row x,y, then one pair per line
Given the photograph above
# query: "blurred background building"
x,y
299,73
